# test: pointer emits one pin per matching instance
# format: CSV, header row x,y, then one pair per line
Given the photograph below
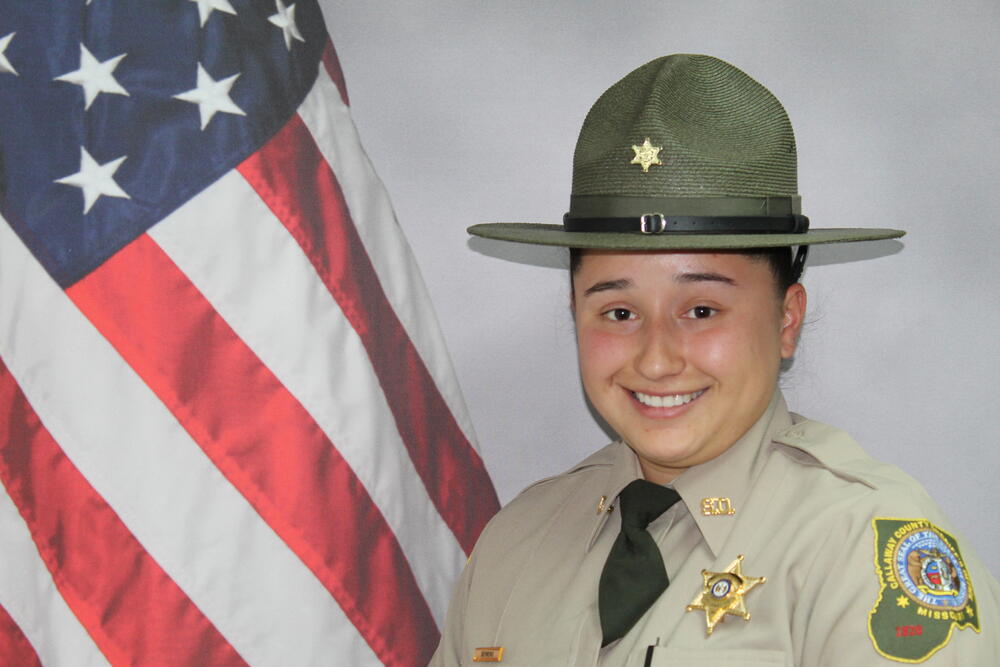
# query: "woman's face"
x,y
680,351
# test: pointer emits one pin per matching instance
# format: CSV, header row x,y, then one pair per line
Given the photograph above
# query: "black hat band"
x,y
657,223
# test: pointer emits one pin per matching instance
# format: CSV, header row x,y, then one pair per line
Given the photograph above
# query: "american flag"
x,y
229,430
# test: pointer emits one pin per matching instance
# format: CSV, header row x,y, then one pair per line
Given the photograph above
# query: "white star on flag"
x,y
5,65
205,8
94,76
95,179
285,19
211,96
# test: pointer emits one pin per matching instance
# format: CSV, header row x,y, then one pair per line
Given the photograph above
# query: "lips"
x,y
668,401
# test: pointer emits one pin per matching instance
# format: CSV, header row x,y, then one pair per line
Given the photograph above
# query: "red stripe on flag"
x,y
263,441
296,183
332,65
132,609
15,649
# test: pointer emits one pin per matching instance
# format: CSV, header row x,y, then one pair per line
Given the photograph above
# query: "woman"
x,y
720,528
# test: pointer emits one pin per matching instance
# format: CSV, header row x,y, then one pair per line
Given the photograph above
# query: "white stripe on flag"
x,y
244,261
29,595
189,518
330,123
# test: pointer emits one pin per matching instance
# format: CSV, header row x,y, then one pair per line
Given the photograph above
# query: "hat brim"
x,y
555,235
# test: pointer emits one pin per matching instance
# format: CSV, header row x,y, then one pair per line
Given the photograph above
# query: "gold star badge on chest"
x,y
722,593
646,155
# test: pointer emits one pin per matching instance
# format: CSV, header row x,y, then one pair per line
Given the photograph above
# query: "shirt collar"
x,y
622,469
715,486
715,491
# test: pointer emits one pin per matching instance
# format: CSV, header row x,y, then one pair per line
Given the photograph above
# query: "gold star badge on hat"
x,y
646,155
722,593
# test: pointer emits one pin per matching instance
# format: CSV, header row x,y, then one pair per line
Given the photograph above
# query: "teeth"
x,y
666,401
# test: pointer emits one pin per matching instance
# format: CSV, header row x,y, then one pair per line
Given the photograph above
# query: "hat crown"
x,y
720,134
685,153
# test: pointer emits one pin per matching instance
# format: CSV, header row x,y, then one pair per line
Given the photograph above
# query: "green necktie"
x,y
633,575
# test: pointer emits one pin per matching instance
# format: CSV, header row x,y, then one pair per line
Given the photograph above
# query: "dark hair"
x,y
779,260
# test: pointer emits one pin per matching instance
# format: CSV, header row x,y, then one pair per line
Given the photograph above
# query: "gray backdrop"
x,y
470,113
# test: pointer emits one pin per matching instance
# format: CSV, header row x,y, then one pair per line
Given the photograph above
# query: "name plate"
x,y
488,654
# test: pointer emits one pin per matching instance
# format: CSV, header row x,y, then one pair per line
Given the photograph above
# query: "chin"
x,y
674,453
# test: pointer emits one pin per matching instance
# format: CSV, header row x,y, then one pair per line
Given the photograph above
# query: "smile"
x,y
666,401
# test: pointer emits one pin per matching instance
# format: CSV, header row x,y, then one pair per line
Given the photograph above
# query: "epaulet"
x,y
833,449
601,458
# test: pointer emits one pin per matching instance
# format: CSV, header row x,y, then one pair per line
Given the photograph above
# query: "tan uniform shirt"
x,y
804,497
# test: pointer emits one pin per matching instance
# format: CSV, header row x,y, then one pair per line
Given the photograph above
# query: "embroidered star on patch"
x,y
646,155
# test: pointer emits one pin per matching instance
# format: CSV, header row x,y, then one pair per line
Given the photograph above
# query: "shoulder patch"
x,y
925,590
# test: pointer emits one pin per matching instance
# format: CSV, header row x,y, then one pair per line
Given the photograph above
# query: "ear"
x,y
793,312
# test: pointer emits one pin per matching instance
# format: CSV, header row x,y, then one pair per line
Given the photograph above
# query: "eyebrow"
x,y
682,278
703,277
605,285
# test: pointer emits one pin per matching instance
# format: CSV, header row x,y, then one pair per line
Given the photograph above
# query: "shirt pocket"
x,y
664,656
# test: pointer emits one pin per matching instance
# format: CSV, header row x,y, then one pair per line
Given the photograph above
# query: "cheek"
x,y
600,353
753,348
718,351
712,351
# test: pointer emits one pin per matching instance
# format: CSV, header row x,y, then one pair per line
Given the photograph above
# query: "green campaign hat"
x,y
687,152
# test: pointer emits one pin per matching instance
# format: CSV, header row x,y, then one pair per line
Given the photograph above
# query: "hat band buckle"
x,y
652,223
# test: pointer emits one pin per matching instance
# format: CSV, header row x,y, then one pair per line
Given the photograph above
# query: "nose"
x,y
661,351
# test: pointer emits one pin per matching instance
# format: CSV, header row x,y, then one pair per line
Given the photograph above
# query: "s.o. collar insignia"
x,y
925,590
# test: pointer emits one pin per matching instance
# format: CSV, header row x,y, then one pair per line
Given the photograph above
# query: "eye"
x,y
619,314
700,312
